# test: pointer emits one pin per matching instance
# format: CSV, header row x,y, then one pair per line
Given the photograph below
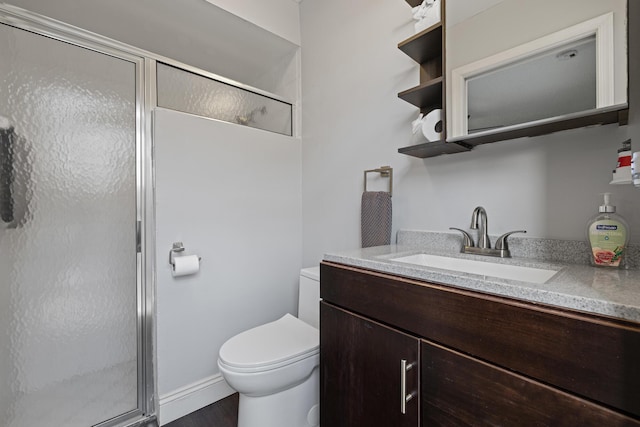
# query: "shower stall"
x,y
76,229
77,224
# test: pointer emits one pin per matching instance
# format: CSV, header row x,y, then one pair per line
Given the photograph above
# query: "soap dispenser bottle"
x,y
608,235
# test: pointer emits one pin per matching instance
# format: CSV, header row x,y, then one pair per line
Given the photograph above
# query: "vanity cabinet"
x,y
484,360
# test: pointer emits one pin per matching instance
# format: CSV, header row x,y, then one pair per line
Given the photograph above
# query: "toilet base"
x,y
294,407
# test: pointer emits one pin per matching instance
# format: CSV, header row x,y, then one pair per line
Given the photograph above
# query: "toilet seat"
x,y
270,346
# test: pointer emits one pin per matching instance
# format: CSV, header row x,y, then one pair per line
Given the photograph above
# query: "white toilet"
x,y
274,366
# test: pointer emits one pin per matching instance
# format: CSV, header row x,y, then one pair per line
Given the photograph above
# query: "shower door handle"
x,y
6,173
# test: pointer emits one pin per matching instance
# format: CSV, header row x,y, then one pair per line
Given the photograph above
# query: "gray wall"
x,y
231,194
353,120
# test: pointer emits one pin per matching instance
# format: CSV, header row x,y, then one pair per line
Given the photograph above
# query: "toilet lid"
x,y
312,273
270,345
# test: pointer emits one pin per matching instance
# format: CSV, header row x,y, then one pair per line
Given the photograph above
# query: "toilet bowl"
x,y
274,367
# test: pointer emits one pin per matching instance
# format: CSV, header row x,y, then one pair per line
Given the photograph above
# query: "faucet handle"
x,y
501,243
468,240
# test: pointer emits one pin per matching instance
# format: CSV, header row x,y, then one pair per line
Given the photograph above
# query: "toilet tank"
x,y
309,296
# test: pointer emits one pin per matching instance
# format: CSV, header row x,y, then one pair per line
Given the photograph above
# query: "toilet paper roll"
x,y
185,265
432,125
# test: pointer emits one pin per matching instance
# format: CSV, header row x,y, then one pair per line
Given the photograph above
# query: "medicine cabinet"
x,y
512,69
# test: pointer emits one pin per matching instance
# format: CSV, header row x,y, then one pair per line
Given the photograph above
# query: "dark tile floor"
x,y
223,413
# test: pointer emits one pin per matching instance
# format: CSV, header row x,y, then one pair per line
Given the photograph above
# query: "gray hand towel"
x,y
375,217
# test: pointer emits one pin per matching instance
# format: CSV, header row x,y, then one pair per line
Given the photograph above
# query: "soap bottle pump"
x,y
608,236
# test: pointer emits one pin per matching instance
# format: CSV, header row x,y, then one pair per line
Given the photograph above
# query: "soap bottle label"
x,y
607,239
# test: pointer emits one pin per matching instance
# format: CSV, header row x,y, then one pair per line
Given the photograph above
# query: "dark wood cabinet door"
x,y
459,390
360,371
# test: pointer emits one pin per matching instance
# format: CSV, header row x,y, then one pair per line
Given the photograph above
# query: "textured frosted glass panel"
x,y
68,292
191,93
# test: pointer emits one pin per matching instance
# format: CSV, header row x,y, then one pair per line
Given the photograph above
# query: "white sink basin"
x,y
504,271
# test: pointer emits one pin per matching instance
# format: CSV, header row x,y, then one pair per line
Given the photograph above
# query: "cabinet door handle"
x,y
404,397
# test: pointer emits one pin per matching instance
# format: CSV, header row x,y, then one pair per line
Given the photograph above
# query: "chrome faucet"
x,y
479,222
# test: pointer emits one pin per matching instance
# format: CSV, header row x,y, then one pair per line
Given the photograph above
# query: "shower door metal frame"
x,y
16,17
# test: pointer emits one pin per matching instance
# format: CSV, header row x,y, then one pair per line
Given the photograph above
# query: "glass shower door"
x,y
70,329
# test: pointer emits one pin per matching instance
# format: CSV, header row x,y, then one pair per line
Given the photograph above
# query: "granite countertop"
x,y
610,292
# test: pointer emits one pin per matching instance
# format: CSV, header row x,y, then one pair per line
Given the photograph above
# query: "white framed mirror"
x,y
518,64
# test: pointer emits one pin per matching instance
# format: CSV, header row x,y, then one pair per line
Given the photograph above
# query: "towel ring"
x,y
384,171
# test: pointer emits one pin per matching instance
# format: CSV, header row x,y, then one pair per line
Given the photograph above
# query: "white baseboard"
x,y
185,400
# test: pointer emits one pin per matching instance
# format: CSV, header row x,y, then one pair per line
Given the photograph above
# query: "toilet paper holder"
x,y
177,248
